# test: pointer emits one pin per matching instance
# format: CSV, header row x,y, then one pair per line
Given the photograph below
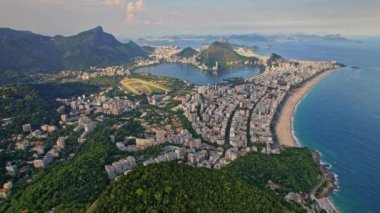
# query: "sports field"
x,y
139,86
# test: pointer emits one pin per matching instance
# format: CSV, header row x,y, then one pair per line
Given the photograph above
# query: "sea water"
x,y
340,117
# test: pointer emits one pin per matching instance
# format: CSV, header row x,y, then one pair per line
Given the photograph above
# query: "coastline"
x,y
286,137
284,126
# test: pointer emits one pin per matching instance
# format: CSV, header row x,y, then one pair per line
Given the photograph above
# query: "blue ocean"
x,y
340,117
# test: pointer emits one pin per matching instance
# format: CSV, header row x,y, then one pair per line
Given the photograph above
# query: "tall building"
x,y
64,118
110,171
195,144
132,161
39,163
27,128
140,142
61,142
119,167
160,136
180,152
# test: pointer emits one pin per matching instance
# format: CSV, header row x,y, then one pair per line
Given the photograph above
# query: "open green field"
x,y
139,86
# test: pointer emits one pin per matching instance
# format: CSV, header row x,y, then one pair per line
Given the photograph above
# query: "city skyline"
x,y
133,18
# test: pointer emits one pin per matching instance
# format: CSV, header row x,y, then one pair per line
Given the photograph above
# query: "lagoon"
x,y
195,76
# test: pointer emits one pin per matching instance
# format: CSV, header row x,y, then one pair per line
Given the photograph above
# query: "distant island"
x,y
253,37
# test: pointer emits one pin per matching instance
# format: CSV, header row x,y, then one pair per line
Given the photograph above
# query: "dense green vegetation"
x,y
106,81
188,52
21,157
75,183
26,51
25,105
130,128
293,170
15,77
95,48
72,185
51,91
240,187
221,53
21,50
172,187
35,104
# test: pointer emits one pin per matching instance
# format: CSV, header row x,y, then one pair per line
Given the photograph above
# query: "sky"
x,y
135,18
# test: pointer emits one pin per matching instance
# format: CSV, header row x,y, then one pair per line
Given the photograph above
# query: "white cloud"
x,y
132,10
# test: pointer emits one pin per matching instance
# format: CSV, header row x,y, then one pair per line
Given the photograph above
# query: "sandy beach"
x,y
284,128
284,125
327,205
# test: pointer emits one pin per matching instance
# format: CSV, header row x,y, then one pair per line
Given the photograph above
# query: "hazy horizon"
x,y
142,18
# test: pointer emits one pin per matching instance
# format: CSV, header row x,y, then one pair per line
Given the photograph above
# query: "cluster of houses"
x,y
120,167
51,154
241,116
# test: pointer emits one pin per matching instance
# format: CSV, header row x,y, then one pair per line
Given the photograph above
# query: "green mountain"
x,y
26,51
172,187
23,50
283,171
242,186
95,48
35,104
188,52
223,53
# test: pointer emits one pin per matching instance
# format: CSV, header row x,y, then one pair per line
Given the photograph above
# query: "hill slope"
x,y
188,52
222,53
26,51
242,186
172,187
73,185
292,170
22,50
95,48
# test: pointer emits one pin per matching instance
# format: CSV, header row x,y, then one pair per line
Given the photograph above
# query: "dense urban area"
x,y
72,139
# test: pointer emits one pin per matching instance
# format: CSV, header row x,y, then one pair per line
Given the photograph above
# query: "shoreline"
x,y
285,132
284,126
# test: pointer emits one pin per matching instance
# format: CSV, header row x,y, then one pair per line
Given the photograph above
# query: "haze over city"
x,y
129,18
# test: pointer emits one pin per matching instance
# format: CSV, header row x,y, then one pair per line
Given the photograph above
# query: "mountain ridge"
x,y
27,51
